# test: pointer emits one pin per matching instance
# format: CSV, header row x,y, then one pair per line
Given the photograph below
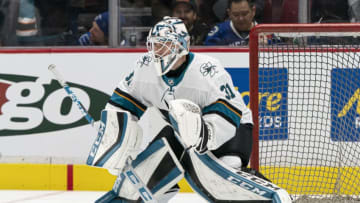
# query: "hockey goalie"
x,y
207,140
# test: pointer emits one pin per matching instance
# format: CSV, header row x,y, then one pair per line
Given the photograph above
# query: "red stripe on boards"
x,y
70,177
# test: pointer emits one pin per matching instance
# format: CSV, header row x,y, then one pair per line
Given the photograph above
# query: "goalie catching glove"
x,y
186,119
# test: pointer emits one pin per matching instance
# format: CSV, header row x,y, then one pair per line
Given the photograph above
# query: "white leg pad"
x,y
158,168
226,183
119,137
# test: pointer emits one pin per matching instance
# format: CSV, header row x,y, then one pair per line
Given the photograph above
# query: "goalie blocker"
x,y
119,138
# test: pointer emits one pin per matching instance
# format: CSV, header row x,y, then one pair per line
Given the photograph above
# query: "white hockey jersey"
x,y
204,82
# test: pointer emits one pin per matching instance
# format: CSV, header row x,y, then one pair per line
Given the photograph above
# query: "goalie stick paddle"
x,y
129,171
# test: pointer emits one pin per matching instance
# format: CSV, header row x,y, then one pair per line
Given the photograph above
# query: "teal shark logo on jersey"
x,y
208,69
32,105
145,60
129,78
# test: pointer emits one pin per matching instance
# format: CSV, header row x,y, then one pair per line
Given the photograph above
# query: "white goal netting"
x,y
309,110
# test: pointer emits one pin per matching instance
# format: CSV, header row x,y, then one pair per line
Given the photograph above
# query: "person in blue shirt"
x,y
98,33
235,31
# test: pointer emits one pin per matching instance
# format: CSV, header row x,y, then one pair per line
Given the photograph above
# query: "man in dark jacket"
x,y
187,11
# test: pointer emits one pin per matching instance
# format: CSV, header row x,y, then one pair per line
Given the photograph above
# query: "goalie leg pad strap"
x,y
118,138
158,168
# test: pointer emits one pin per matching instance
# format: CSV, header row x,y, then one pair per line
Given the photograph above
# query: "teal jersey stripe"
x,y
221,109
127,104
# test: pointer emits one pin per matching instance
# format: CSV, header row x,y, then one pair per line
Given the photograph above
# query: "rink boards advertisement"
x,y
345,116
38,118
39,124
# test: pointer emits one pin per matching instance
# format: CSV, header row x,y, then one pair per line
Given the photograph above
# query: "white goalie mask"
x,y
167,42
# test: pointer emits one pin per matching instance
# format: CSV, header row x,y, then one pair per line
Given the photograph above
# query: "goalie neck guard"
x,y
167,42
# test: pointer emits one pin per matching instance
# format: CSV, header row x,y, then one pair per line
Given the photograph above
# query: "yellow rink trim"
x,y
33,176
54,177
299,180
315,180
101,179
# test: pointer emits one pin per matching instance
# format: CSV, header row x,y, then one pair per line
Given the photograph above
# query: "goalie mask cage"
x,y
305,98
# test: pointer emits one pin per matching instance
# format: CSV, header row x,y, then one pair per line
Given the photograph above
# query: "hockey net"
x,y
305,98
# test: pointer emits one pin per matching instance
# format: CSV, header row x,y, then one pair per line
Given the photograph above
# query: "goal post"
x,y
305,99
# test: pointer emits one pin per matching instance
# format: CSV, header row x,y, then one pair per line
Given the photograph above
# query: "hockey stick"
x,y
128,170
73,97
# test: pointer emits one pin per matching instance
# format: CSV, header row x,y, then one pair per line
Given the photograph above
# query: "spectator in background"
x,y
159,9
98,33
207,11
354,10
235,31
9,10
27,28
278,11
334,11
219,9
186,10
26,25
54,23
259,14
2,19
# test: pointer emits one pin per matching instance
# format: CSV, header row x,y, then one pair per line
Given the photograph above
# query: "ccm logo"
x,y
255,186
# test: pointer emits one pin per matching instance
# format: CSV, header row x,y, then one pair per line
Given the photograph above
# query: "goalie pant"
x,y
206,174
